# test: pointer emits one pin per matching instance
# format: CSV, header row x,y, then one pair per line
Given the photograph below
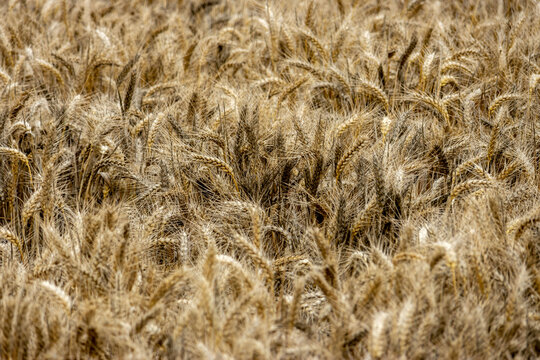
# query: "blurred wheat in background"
x,y
272,179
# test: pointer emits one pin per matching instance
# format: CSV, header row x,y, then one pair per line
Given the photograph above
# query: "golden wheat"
x,y
282,179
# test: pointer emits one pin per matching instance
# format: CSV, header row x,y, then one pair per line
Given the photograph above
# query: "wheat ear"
x,y
290,89
432,103
256,257
18,155
220,164
524,224
46,66
153,128
375,91
467,186
499,100
12,238
346,159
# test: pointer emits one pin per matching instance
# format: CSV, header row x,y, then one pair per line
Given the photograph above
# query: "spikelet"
x,y
480,276
325,85
523,224
414,7
468,53
404,57
469,105
259,83
140,126
295,303
126,69
155,33
317,73
508,170
406,256
465,166
492,141
386,124
129,92
287,260
232,93
338,44
235,315
426,70
339,77
516,28
179,276
451,262
309,15
161,87
235,266
330,293
256,221
447,79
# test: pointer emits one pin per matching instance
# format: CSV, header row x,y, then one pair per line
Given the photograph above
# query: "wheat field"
x,y
269,179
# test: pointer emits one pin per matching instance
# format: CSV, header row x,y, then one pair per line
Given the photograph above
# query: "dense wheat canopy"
x,y
269,179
